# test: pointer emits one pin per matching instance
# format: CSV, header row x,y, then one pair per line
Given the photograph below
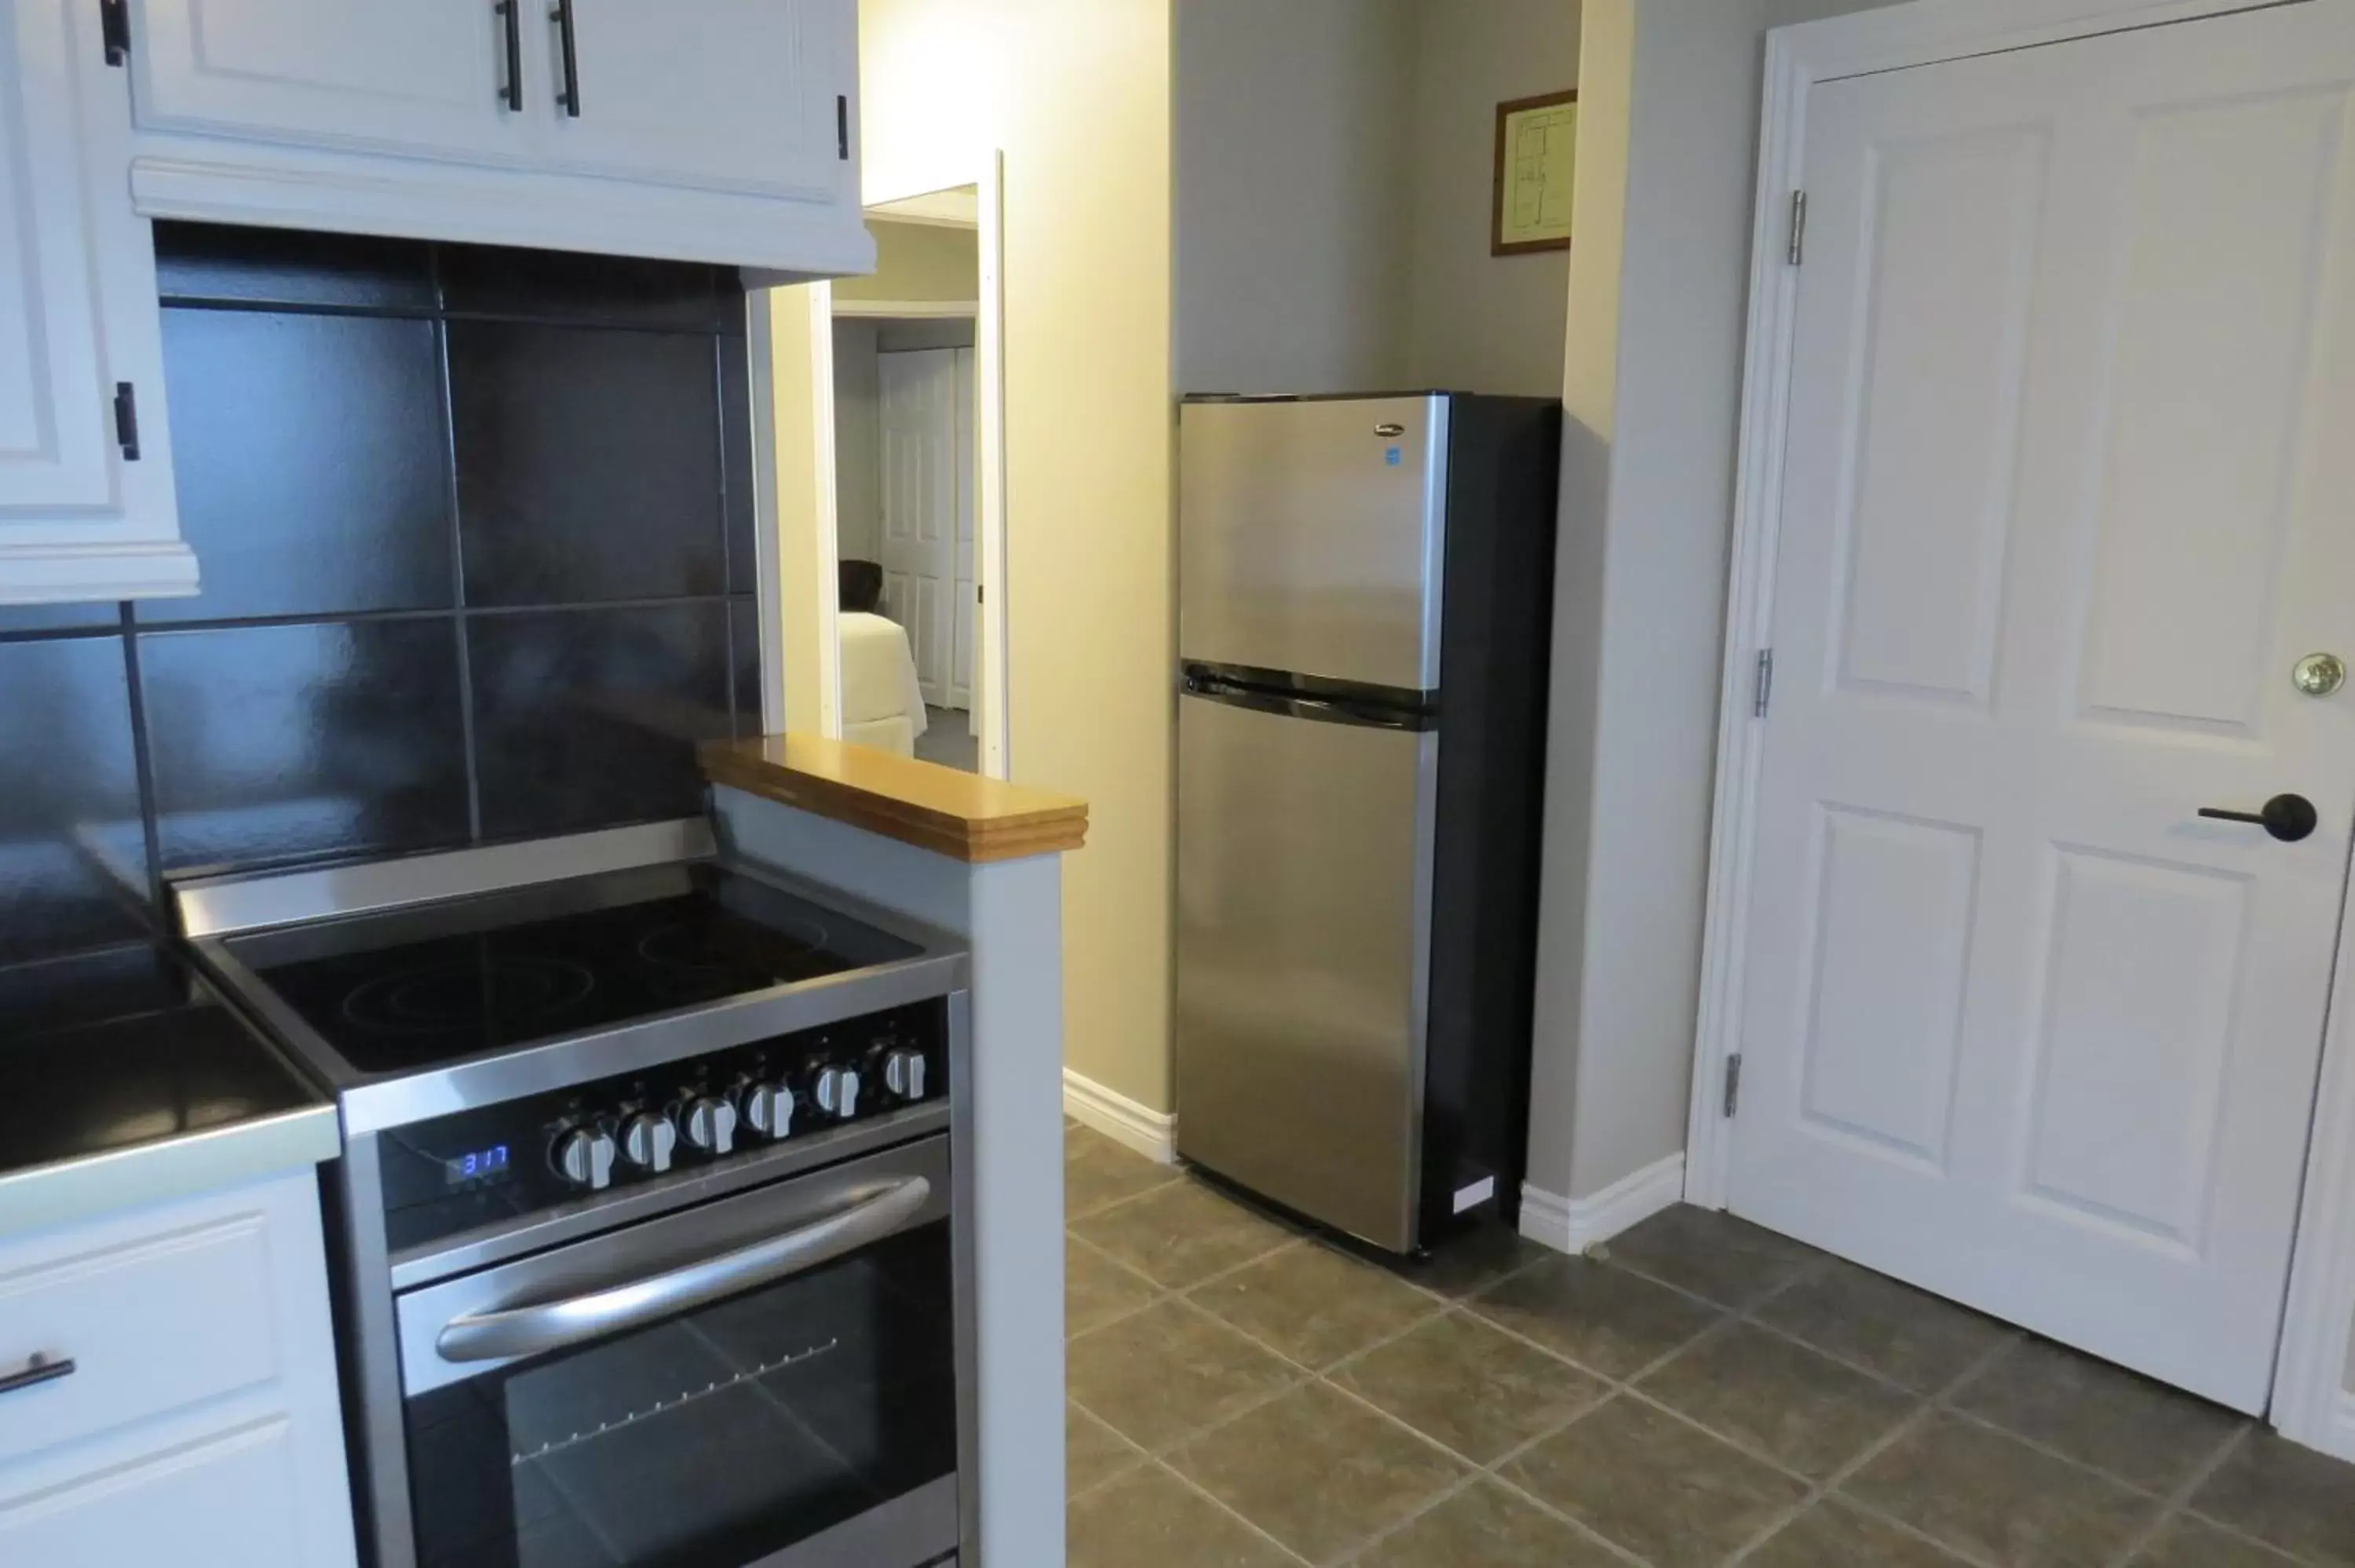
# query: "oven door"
x,y
767,1379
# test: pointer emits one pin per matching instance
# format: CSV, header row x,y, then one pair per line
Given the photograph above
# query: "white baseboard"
x,y
1574,1224
1151,1133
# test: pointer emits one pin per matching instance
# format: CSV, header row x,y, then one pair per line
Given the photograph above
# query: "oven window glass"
x,y
710,1440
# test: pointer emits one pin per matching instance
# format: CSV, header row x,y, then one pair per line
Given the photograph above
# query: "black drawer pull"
x,y
36,1372
511,15
571,97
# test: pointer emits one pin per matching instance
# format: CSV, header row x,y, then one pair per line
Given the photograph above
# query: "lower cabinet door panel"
x,y
237,1495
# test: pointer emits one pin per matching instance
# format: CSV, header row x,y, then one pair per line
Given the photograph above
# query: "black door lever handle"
x,y
2288,818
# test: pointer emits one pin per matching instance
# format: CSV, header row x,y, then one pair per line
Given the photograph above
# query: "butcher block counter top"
x,y
962,815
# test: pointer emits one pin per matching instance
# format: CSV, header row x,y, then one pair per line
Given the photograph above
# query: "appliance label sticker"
x,y
1392,455
1481,1191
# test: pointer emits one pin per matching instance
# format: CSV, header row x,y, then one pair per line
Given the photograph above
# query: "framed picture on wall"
x,y
1536,147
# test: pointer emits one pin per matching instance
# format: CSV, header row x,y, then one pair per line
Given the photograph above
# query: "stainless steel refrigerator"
x,y
1365,587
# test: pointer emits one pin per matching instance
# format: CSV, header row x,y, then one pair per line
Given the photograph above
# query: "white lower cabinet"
x,y
200,1424
87,510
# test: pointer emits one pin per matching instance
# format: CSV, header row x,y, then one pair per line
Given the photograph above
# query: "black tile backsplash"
x,y
417,479
277,743
584,718
311,460
587,463
73,855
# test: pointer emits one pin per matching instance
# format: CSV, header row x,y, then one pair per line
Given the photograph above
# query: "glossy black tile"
x,y
291,267
624,291
587,465
73,852
587,718
744,654
310,455
736,463
274,743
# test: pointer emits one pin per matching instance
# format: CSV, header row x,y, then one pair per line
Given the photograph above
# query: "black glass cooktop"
x,y
422,987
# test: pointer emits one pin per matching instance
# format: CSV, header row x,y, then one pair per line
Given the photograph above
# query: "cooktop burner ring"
x,y
467,995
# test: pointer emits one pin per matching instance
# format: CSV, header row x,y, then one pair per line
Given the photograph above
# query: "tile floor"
x,y
1243,1396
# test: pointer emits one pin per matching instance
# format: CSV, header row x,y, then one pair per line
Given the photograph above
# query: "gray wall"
x,y
1334,167
857,441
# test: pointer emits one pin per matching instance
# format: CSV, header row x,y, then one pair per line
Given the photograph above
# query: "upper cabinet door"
x,y
750,96
421,78
87,508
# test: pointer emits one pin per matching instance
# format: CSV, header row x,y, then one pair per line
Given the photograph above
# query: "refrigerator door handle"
x,y
1317,710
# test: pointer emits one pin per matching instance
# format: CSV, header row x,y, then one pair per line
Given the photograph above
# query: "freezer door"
x,y
1303,907
1309,537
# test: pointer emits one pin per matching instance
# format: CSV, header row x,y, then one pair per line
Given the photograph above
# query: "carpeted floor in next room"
x,y
1243,1396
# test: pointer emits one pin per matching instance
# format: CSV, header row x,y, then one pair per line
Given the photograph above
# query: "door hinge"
x,y
114,29
842,126
127,420
1762,687
980,593
1799,226
1732,1083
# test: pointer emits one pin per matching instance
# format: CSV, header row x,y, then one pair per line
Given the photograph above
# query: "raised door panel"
x,y
78,519
422,78
722,95
186,1505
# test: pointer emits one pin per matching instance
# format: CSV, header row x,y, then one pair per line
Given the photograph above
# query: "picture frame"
x,y
1537,141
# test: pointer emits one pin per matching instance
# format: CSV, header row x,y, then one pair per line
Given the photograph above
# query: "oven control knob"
x,y
768,1108
585,1157
836,1089
903,1072
647,1139
709,1123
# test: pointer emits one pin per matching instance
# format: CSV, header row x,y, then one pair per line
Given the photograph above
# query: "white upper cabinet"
x,y
86,503
708,130
415,77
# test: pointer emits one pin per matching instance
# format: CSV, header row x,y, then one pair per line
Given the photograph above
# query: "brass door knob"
x,y
2318,674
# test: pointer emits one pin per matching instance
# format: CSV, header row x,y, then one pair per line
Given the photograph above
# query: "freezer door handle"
x,y
1317,710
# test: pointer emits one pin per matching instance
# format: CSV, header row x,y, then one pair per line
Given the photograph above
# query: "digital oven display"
x,y
476,1166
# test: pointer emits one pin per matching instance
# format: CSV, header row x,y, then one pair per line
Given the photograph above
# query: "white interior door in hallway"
x,y
927,502
2068,489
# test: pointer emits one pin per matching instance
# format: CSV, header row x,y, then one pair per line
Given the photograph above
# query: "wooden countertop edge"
x,y
959,815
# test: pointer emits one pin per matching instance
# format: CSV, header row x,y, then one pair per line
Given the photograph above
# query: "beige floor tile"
x,y
1168,1371
1092,1452
1182,1234
2145,1435
1905,1335
1801,1409
1657,1486
1488,1526
1711,1254
1315,1305
1475,1389
1150,1518
2293,1498
1832,1534
1097,1172
1096,1290
1994,1498
1601,1317
2187,1542
1318,1470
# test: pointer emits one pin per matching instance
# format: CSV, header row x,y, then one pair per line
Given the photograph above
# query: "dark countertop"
x,y
124,1080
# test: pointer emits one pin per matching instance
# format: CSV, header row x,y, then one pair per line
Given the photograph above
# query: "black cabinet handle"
x,y
511,13
2288,818
36,1372
571,97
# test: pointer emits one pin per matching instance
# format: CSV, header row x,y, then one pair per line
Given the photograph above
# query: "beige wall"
x,y
1481,322
1291,155
857,441
1076,92
917,261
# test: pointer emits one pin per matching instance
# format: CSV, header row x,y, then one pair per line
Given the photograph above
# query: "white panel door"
x,y
83,514
729,95
2068,491
920,490
184,1505
966,639
422,78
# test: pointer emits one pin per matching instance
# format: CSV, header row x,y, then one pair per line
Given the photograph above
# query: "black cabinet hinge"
x,y
127,420
842,126
1734,1083
115,27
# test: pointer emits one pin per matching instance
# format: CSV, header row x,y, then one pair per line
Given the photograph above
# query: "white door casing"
x,y
2064,493
966,639
919,488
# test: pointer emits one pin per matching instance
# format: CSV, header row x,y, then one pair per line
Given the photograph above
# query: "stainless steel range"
x,y
648,1247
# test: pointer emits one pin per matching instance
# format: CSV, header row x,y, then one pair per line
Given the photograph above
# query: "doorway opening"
x,y
889,395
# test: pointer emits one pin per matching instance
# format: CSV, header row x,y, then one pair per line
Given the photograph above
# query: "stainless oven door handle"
x,y
549,1326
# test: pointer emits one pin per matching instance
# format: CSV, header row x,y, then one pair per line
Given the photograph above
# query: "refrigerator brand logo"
x,y
1389,431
